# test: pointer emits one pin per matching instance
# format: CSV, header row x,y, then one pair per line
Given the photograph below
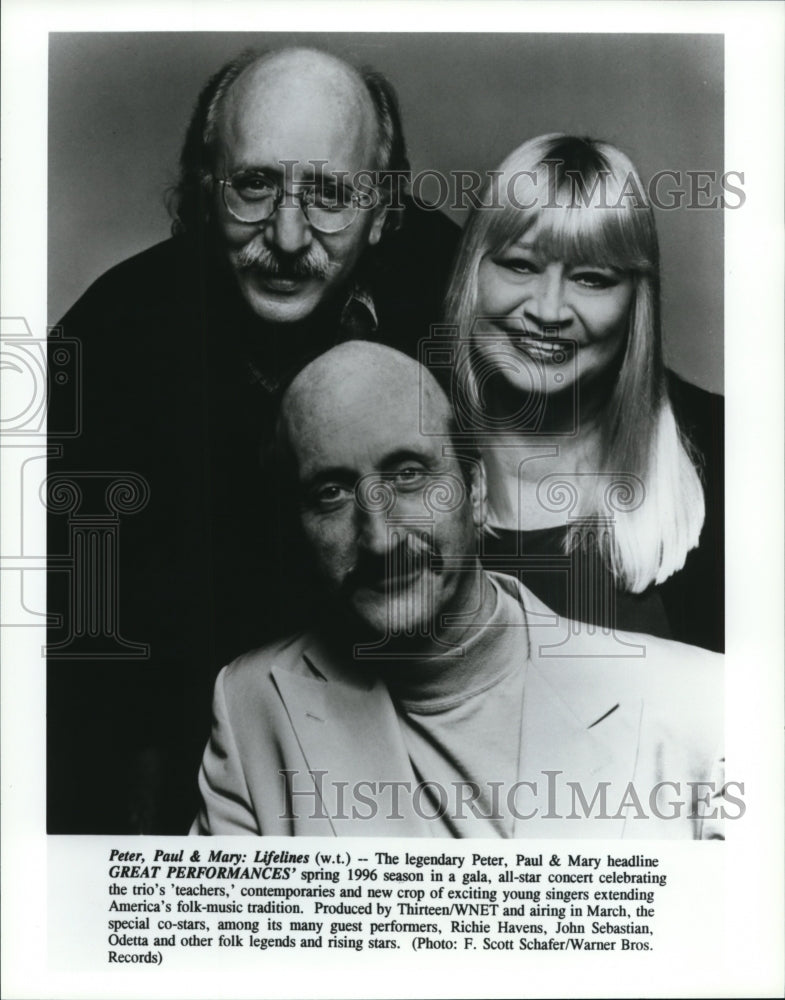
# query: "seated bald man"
x,y
430,697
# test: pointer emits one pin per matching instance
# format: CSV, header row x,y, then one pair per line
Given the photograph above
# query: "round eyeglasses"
x,y
252,197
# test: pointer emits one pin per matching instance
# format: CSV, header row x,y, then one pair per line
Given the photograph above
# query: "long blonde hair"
x,y
590,206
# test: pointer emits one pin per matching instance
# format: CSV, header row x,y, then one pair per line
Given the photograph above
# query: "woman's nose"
x,y
546,305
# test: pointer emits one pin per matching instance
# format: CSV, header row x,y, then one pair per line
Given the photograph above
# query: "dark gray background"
x,y
120,102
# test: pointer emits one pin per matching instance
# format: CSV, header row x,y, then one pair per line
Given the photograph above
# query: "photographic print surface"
x,y
371,480
197,564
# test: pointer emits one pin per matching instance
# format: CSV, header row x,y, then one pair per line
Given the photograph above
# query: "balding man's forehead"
x,y
368,369
301,109
290,75
363,393
302,61
434,406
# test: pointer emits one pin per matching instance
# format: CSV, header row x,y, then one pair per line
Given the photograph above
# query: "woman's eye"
x,y
519,265
594,279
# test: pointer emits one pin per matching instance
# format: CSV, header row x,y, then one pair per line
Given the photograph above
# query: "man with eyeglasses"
x,y
295,229
291,234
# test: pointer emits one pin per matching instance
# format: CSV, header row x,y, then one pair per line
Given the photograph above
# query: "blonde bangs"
x,y
602,219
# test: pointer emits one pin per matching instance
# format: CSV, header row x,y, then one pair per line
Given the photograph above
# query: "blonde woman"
x,y
604,469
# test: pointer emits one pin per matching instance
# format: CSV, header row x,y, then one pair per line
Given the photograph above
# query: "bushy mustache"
x,y
410,555
312,262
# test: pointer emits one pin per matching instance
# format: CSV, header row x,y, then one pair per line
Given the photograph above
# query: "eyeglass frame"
x,y
300,196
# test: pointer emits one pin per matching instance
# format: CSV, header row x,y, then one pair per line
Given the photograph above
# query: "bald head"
x,y
301,63
359,388
323,101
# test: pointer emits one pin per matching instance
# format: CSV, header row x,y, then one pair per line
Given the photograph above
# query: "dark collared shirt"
x,y
358,321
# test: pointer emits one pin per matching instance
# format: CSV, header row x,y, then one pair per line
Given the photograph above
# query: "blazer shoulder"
x,y
684,686
669,656
286,654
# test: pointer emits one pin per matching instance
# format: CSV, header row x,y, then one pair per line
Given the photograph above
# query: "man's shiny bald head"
x,y
359,386
316,89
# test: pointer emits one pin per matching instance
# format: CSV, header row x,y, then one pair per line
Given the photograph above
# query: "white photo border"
x,y
747,961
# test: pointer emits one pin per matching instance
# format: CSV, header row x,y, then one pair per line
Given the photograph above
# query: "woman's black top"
x,y
689,605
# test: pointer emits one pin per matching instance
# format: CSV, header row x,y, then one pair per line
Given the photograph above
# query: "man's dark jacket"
x,y
179,385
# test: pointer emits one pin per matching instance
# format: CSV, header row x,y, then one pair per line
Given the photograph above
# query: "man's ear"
x,y
478,493
377,226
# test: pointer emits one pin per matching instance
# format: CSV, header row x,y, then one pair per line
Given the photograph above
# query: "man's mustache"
x,y
404,560
312,262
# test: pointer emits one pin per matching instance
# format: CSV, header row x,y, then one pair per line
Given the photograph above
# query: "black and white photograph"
x,y
373,479
586,460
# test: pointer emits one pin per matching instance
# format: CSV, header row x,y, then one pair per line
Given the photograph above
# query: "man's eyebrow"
x,y
336,473
275,171
395,458
253,166
344,474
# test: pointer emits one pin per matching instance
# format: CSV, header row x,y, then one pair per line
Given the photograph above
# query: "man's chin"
x,y
280,301
401,619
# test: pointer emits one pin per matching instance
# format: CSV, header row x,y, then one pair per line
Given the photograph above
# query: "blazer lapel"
x,y
579,731
350,737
